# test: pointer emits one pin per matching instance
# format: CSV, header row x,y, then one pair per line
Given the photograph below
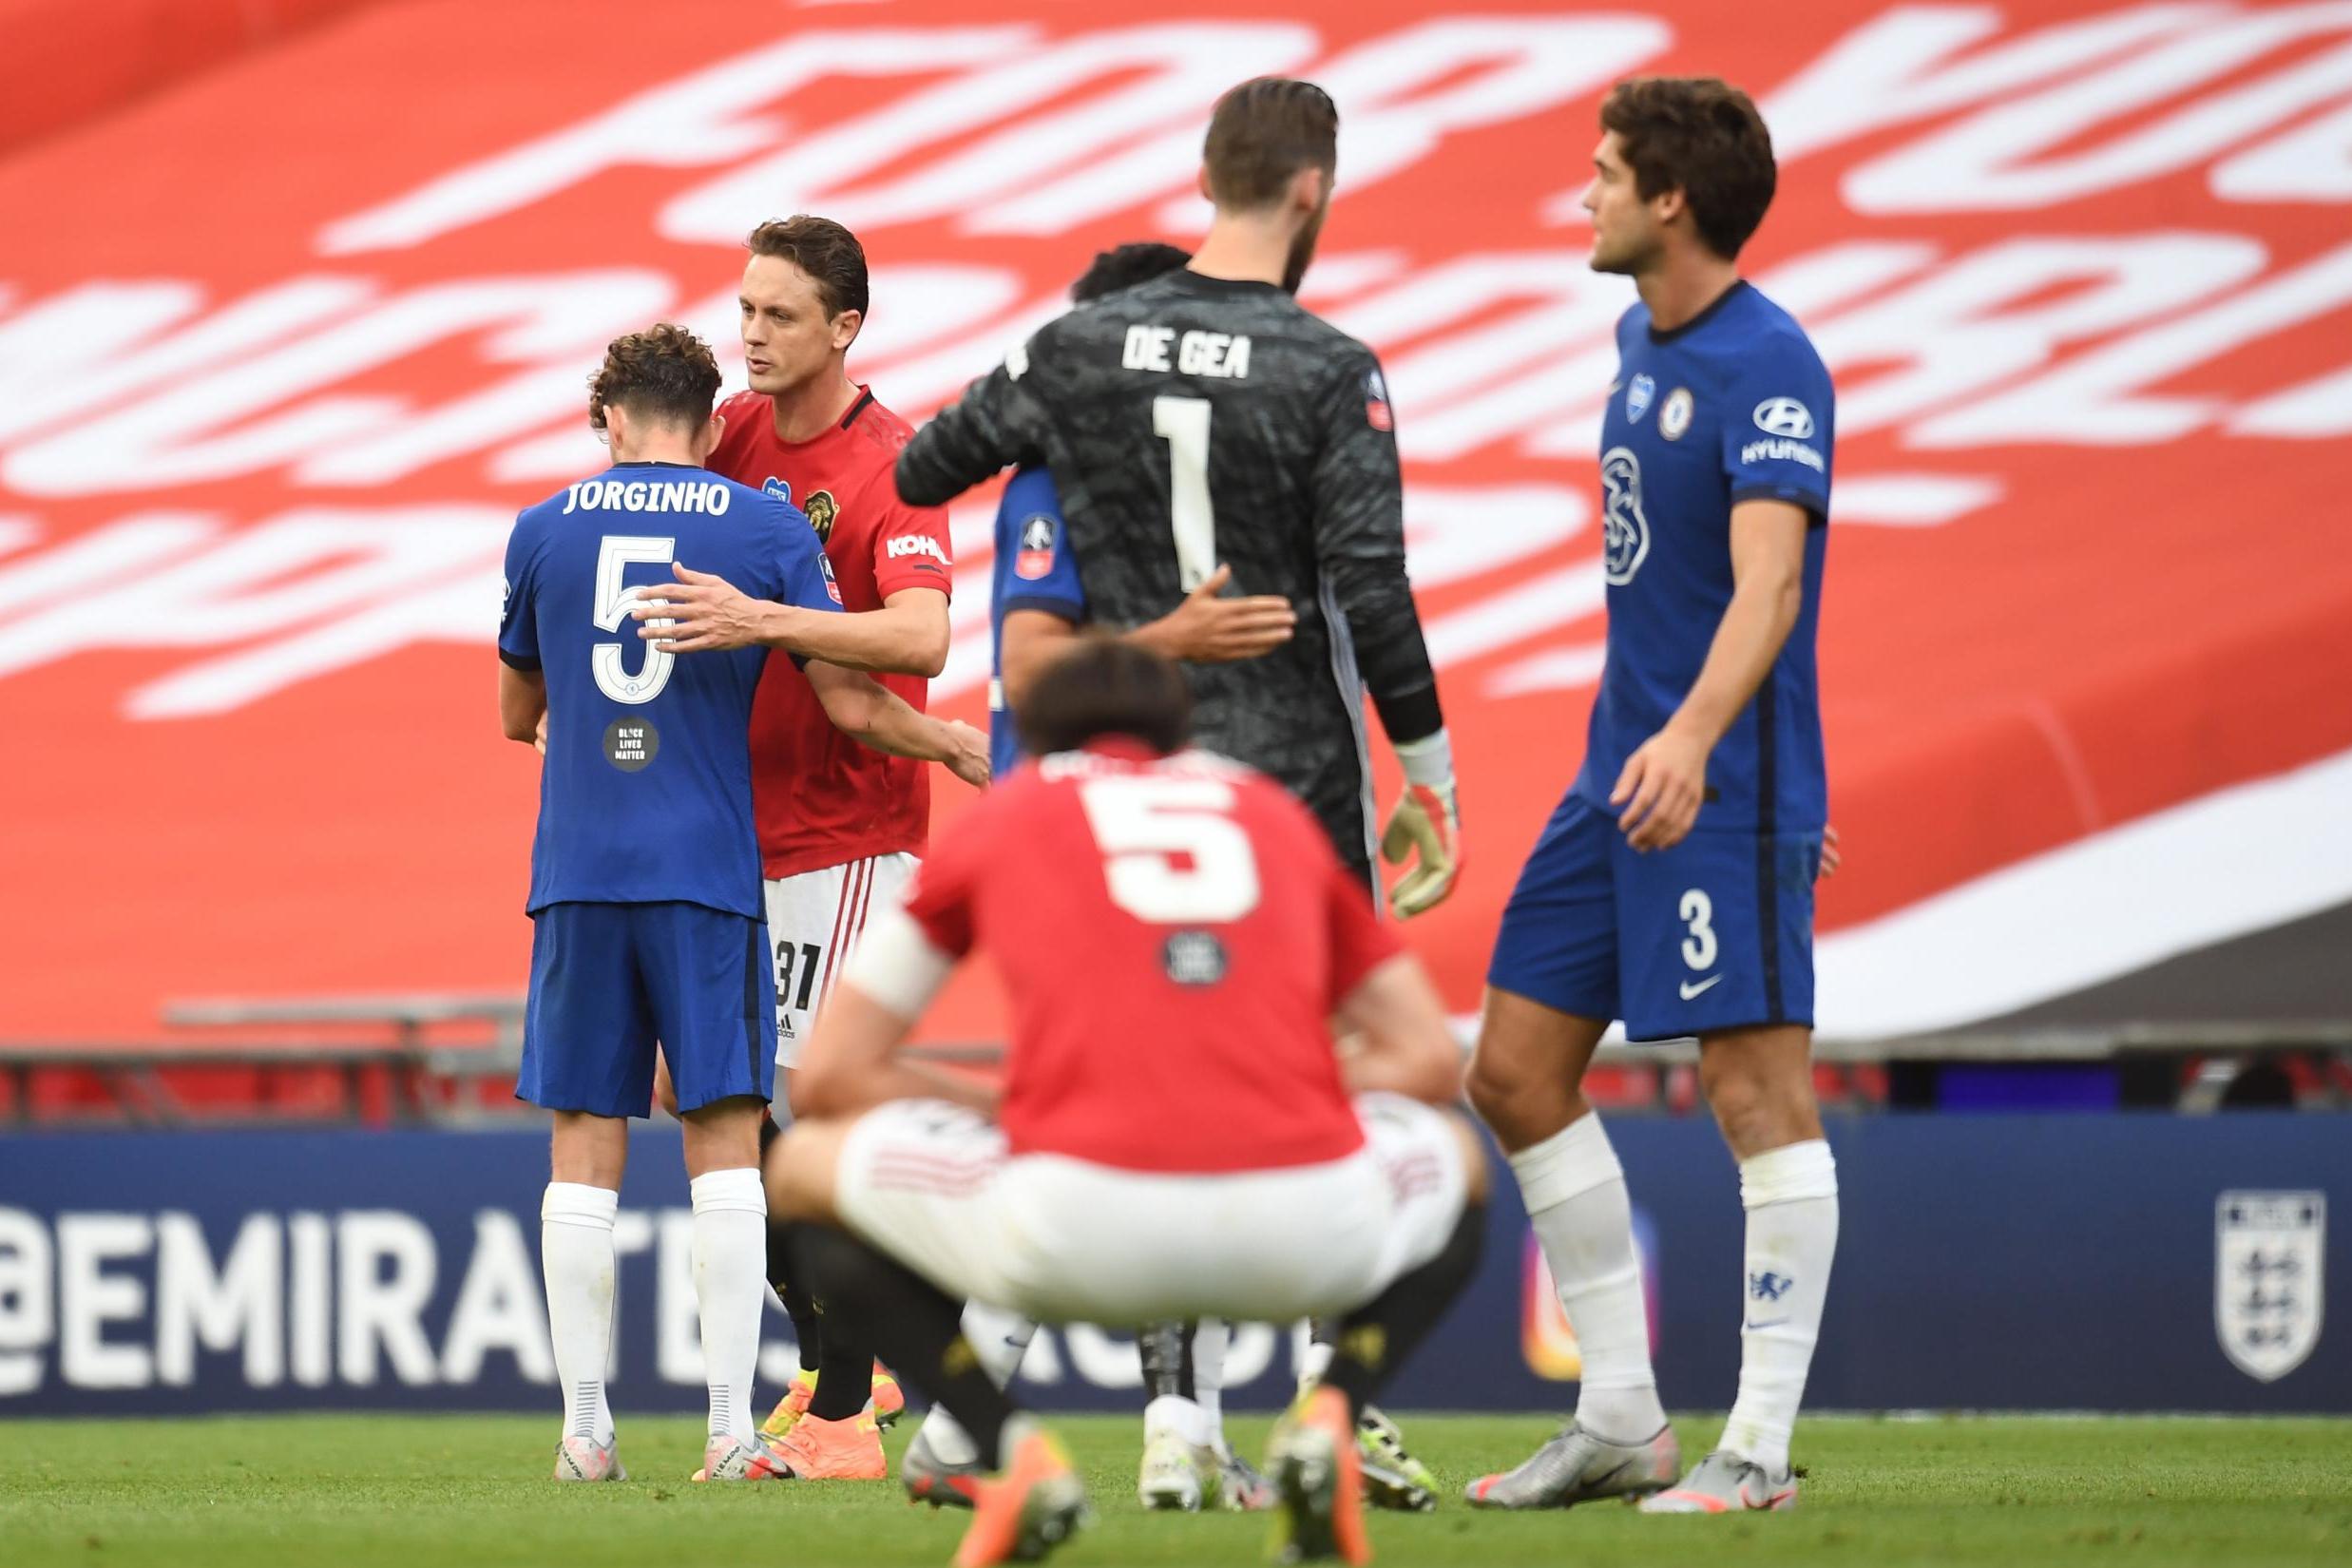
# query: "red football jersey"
x,y
1175,934
819,797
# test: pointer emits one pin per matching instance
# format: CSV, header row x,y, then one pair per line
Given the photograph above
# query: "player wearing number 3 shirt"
x,y
1674,886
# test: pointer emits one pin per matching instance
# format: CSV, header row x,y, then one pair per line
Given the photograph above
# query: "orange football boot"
x,y
818,1449
886,1403
1034,1504
1318,1479
792,1406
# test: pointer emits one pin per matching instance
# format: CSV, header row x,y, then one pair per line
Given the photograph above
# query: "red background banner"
x,y
285,342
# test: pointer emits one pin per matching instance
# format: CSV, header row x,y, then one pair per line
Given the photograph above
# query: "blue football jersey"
x,y
1035,570
645,796
1733,406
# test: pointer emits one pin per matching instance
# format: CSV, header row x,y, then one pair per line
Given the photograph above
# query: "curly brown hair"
x,y
1703,137
664,372
829,253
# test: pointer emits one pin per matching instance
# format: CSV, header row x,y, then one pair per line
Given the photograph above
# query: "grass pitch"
x,y
364,1491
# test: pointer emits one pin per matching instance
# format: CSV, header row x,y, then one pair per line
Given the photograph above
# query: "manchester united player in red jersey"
x,y
840,826
1176,1135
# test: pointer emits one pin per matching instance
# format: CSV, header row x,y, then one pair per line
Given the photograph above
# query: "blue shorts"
x,y
610,982
1715,933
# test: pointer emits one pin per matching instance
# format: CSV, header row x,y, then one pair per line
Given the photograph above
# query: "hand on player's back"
x,y
1661,788
700,613
1206,629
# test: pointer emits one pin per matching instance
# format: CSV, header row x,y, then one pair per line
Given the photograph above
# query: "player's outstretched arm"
x,y
1664,780
1204,629
1404,1044
702,613
995,424
907,636
1208,628
873,716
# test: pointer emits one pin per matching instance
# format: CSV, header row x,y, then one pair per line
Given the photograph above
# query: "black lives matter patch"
x,y
631,744
1193,958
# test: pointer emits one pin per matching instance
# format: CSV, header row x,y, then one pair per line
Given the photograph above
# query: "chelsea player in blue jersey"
x,y
646,892
1674,887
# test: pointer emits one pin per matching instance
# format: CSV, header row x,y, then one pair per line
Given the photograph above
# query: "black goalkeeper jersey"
x,y
1195,421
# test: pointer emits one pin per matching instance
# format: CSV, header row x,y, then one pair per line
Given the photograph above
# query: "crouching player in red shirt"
x,y
1176,1135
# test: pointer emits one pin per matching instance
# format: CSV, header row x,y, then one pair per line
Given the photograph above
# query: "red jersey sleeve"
x,y
1360,941
912,548
940,898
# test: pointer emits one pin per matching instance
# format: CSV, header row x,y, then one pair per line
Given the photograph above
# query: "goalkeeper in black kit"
x,y
1204,419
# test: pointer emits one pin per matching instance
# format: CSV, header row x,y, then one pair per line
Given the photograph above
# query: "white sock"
x,y
1000,1338
1212,1336
576,1260
1575,1193
730,1289
1791,1197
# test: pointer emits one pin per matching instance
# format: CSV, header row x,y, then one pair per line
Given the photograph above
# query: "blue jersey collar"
x,y
1738,286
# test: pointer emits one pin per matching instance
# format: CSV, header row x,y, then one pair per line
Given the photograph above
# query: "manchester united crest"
x,y
821,512
2270,1263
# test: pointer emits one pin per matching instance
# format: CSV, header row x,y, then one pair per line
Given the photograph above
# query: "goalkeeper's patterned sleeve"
x,y
1359,522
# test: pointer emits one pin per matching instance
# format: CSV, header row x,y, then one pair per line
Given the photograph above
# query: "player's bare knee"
x,y
591,1151
1756,1113
1759,1084
1501,1077
1490,1086
1521,1106
723,1136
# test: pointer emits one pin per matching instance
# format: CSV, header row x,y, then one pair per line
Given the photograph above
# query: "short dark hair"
x,y
1702,135
1124,266
1105,686
1263,132
664,372
829,253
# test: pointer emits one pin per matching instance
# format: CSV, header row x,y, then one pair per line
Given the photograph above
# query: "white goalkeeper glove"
x,y
1426,819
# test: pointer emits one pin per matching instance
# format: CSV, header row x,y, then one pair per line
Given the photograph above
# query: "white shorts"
x,y
813,923
1067,1240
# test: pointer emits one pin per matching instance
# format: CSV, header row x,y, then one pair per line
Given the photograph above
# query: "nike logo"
x,y
1689,990
1774,1324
